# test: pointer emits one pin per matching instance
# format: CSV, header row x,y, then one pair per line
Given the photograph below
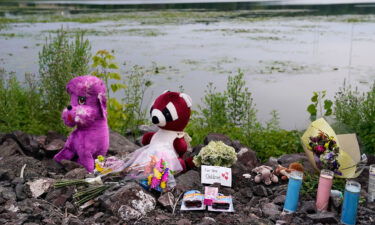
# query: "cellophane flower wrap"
x,y
216,153
323,149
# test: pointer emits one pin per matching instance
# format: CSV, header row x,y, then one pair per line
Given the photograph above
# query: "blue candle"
x,y
292,194
350,205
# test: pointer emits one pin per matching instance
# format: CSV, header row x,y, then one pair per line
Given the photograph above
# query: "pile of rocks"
x,y
27,195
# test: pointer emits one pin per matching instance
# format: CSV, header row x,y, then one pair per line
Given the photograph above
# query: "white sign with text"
x,y
216,174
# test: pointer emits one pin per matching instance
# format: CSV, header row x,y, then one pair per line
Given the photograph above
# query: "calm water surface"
x,y
284,58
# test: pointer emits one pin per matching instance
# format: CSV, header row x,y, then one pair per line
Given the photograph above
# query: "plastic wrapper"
x,y
141,163
108,165
193,200
222,204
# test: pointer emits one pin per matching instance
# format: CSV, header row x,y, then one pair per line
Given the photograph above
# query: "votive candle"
x,y
292,194
324,190
350,204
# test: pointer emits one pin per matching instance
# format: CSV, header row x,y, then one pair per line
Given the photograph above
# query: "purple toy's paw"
x,y
88,163
65,153
57,158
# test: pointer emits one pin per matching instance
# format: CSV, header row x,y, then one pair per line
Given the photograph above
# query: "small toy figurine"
x,y
88,113
285,172
265,174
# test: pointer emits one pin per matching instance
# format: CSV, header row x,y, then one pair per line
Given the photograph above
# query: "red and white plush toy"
x,y
171,113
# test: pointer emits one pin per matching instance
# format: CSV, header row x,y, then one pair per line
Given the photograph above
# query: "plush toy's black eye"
x,y
81,100
167,114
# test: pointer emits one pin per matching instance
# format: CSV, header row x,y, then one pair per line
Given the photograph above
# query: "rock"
x,y
70,165
78,173
285,160
148,128
272,162
74,221
6,175
183,222
98,215
207,221
69,207
270,210
20,192
58,197
29,142
120,145
247,159
324,217
246,192
236,144
55,145
7,193
188,181
260,190
279,200
9,147
308,207
40,186
217,137
129,202
13,165
167,200
254,201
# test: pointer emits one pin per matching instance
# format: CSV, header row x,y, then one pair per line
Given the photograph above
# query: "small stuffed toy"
x,y
265,174
285,172
88,113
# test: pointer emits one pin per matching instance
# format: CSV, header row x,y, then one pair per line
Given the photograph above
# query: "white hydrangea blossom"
x,y
216,153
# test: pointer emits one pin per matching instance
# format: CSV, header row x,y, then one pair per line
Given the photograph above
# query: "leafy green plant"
x,y
105,68
216,153
21,105
60,60
357,112
233,113
319,103
125,113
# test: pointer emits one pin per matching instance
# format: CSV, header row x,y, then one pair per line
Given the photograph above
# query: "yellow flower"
x,y
101,158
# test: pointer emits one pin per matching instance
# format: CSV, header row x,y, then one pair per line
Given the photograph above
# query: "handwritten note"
x,y
216,174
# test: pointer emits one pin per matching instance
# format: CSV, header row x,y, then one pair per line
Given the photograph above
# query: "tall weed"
x,y
60,60
356,111
21,105
233,113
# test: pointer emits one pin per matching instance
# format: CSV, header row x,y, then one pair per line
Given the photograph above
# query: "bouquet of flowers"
x,y
326,152
160,179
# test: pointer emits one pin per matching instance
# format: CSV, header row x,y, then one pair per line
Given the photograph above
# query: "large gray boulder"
x,y
119,145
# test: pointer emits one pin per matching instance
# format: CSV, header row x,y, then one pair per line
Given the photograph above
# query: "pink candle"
x,y
324,190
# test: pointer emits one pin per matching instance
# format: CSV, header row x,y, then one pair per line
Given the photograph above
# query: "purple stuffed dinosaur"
x,y
88,112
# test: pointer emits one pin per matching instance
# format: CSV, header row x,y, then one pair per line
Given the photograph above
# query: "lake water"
x,y
286,52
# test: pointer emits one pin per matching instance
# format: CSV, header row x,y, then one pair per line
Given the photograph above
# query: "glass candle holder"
x,y
292,194
371,184
350,204
324,190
